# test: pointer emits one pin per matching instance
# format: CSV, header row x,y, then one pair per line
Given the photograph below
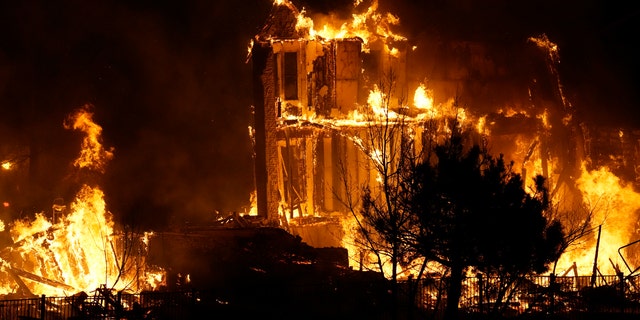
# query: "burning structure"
x,y
318,89
299,79
317,93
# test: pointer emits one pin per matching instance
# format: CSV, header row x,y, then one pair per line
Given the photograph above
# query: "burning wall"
x,y
299,78
311,82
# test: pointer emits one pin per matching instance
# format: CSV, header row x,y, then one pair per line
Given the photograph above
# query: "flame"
x,y
370,26
422,98
544,118
615,207
79,251
377,103
551,48
6,165
481,126
92,155
613,203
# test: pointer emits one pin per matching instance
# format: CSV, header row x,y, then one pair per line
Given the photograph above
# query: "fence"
x,y
481,295
103,305
530,295
250,299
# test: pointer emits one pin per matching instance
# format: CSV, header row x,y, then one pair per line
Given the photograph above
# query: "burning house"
x,y
299,83
317,90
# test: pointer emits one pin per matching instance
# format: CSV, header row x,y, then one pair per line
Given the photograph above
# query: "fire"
x,y
369,26
615,206
6,165
377,101
481,126
536,129
92,155
79,251
551,48
422,98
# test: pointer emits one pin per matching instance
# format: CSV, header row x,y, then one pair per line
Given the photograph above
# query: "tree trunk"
x,y
394,282
454,291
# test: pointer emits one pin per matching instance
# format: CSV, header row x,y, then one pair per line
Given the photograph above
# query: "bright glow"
x,y
369,26
81,250
422,99
614,206
523,133
6,165
92,155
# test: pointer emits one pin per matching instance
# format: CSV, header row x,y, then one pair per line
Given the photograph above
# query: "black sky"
x,y
169,85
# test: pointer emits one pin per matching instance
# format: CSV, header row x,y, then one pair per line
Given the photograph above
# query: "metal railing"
x,y
485,295
544,294
102,305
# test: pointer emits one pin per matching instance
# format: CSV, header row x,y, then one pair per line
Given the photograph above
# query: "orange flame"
x,y
614,204
369,26
79,251
92,155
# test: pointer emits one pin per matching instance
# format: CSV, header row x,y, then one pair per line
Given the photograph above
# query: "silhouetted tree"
x,y
378,206
473,212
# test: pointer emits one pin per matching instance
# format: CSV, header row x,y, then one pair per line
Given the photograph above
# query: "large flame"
x,y
614,206
610,202
370,26
92,155
80,250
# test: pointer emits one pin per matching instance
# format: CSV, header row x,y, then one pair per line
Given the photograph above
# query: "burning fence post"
x,y
595,259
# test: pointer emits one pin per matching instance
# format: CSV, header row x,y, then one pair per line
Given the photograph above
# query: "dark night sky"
x,y
170,87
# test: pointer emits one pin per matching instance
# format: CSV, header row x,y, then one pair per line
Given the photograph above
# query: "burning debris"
x,y
76,248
